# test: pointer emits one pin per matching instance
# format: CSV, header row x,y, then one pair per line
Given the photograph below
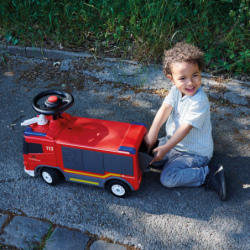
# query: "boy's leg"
x,y
183,169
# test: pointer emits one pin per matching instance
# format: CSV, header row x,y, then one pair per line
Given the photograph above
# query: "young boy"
x,y
188,146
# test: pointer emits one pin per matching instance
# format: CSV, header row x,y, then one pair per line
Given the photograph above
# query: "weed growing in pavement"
x,y
47,238
145,76
43,240
3,60
141,28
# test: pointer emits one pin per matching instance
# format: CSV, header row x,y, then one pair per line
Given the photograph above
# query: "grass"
x,y
43,241
138,29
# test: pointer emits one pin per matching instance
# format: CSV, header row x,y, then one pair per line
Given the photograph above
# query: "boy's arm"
x,y
181,132
161,116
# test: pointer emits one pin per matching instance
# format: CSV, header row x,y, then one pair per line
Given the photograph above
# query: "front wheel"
x,y
50,176
118,189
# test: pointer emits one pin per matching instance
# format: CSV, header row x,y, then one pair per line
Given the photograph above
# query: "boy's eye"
x,y
195,75
182,78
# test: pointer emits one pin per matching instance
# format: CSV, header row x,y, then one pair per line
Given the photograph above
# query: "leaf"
x,y
14,41
232,13
8,37
9,73
60,46
56,63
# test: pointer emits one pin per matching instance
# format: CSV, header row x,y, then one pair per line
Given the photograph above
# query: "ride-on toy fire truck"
x,y
95,152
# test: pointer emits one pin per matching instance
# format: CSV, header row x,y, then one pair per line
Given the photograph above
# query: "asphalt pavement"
x,y
153,217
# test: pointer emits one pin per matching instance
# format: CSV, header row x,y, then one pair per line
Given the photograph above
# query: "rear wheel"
x,y
50,176
118,189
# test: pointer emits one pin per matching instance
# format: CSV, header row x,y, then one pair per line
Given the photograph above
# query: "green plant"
x,y
43,240
9,38
219,27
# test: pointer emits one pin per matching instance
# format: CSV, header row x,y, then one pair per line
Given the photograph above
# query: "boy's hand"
x,y
150,142
181,132
159,154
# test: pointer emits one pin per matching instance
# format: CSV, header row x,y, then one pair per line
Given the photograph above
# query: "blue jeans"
x,y
182,169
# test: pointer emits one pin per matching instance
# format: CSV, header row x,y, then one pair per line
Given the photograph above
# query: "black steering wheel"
x,y
57,102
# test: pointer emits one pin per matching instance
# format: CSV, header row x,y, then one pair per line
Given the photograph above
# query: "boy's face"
x,y
186,76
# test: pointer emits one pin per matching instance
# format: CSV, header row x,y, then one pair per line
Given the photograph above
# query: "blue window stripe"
x,y
28,131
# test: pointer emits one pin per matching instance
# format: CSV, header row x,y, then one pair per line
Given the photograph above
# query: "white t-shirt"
x,y
193,110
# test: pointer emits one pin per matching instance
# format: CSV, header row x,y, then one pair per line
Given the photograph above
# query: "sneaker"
x,y
215,180
155,169
151,168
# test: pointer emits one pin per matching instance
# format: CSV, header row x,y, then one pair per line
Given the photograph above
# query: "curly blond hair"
x,y
182,52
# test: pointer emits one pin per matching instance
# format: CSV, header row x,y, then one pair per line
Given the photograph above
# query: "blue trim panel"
x,y
28,131
139,123
131,150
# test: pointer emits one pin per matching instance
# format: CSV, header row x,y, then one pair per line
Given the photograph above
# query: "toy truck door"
x,y
33,154
83,160
76,162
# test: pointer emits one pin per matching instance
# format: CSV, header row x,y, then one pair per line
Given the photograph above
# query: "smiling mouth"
x,y
190,90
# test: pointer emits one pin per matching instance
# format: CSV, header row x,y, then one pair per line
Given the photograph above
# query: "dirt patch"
x,y
89,64
221,101
220,89
110,97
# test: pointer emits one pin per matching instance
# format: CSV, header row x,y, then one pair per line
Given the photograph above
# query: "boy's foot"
x,y
151,168
215,180
156,170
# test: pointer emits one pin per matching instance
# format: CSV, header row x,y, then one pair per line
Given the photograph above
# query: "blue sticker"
x,y
139,123
127,149
28,131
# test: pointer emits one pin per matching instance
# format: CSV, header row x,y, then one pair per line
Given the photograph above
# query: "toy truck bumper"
x,y
30,172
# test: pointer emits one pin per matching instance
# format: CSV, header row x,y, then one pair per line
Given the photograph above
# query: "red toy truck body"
x,y
85,150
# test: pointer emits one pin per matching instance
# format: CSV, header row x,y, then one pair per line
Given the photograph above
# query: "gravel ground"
x,y
153,217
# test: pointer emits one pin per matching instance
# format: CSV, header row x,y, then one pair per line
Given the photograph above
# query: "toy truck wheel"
x,y
118,189
50,176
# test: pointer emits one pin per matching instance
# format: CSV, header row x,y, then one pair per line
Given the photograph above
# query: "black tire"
x,y
118,189
50,176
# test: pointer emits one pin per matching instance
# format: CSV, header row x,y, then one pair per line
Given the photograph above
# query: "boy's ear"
x,y
170,77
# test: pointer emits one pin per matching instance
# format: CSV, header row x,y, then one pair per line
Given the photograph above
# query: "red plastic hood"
x,y
101,134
